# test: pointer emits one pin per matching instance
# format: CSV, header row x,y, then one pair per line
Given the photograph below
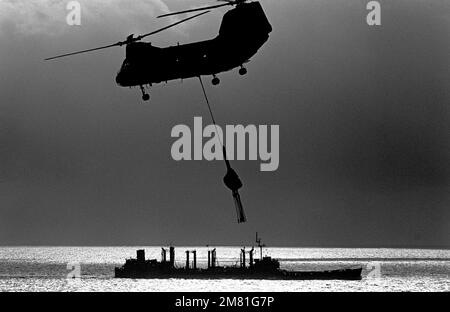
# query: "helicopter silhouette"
x,y
243,31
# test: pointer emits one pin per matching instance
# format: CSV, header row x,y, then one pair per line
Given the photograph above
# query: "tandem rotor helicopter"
x,y
243,31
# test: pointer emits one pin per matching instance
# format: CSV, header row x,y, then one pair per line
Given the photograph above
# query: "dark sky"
x,y
364,129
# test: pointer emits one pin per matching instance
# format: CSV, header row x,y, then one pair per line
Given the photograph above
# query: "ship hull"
x,y
343,274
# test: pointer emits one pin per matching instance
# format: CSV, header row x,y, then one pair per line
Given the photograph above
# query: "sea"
x,y
91,269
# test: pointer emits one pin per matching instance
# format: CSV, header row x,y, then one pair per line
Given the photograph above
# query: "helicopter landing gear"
x,y
145,95
215,80
242,70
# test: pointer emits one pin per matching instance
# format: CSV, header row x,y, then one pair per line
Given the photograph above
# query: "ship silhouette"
x,y
263,268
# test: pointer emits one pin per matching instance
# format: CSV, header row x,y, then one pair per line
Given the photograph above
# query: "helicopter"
x,y
243,31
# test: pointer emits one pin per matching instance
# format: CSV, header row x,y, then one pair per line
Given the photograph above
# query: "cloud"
x,y
48,17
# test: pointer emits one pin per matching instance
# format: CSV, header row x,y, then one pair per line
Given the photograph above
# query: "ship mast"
x,y
258,241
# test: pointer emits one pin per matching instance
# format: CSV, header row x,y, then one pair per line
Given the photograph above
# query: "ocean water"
x,y
48,269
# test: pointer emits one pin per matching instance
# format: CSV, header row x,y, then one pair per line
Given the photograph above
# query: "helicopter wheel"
x,y
242,71
145,96
215,81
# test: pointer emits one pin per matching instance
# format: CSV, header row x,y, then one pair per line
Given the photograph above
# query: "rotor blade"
x,y
84,51
169,26
130,40
198,9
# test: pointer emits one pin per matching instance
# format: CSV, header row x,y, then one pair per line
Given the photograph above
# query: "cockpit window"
x,y
125,65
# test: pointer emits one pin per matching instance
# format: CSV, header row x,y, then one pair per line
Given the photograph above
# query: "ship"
x,y
249,268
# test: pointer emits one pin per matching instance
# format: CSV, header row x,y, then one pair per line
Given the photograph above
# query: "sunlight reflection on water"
x,y
45,269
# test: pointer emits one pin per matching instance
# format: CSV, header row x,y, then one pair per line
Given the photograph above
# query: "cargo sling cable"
x,y
231,179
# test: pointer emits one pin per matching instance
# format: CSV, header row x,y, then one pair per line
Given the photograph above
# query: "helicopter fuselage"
x,y
243,31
